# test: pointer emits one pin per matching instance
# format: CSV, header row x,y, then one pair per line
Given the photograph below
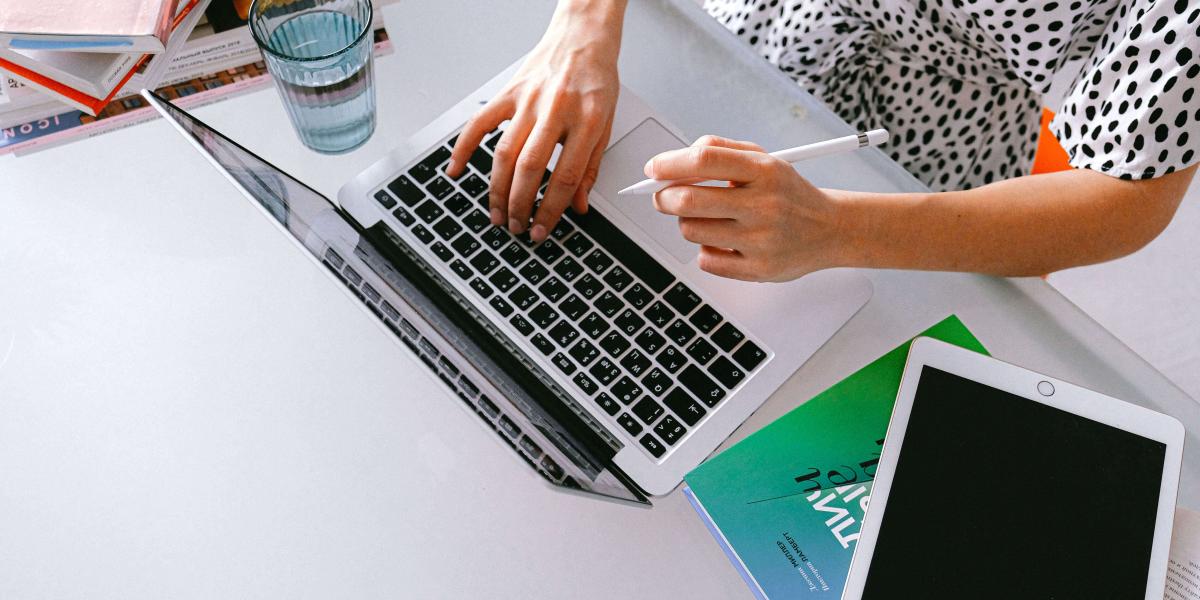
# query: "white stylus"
x,y
875,137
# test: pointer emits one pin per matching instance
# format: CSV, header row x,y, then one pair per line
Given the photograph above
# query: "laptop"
x,y
603,357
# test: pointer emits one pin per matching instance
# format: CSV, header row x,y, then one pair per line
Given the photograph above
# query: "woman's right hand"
x,y
565,92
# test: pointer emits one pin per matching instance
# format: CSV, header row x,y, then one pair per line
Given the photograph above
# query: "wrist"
x,y
603,19
853,229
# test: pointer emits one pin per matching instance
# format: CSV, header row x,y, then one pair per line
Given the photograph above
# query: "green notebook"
x,y
786,503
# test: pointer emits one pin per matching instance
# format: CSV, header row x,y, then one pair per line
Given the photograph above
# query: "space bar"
x,y
625,250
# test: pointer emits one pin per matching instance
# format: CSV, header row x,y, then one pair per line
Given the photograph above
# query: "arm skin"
x,y
773,225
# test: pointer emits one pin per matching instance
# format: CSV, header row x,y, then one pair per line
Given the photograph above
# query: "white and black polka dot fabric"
x,y
959,83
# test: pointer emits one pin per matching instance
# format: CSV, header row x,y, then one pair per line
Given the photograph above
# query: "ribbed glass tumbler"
x,y
319,54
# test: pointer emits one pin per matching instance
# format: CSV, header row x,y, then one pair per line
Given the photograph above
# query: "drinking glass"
x,y
319,54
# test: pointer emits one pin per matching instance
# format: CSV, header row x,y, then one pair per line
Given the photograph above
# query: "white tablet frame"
x,y
1024,383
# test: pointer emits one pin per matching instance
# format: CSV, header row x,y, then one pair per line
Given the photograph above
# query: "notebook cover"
x,y
786,504
126,19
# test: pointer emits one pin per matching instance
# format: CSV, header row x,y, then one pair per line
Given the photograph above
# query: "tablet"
x,y
998,482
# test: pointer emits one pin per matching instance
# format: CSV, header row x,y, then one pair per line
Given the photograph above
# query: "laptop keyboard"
x,y
633,339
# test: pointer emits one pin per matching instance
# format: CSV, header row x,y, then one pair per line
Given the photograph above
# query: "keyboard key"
x,y
627,390
521,324
430,211
647,410
726,337
457,204
618,278
659,314
404,217
481,288
548,251
568,268
684,406
435,159
461,269
636,363
441,251
584,353
593,325
682,298
726,372
481,160
534,272
604,370
484,262
563,333
606,402
638,296
553,289
390,311
503,279
353,276
563,363
474,186
626,251
562,230
477,221
385,199
523,296
650,340
573,307
422,173
407,191
552,469
514,254
448,366
657,381
501,305
701,351
598,261
706,318
447,228
578,244
466,245
629,322
439,187
427,347
589,387
543,315
629,424
614,344
493,140
653,446
495,238
679,332
671,359
608,304
669,430
588,286
749,356
542,343
529,447
488,406
510,428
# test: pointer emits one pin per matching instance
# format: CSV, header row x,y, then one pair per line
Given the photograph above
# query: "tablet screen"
x,y
999,496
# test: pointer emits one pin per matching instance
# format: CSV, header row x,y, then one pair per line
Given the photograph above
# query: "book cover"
x,y
101,26
786,503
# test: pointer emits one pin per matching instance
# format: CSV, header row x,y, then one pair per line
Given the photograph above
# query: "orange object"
x,y
1050,156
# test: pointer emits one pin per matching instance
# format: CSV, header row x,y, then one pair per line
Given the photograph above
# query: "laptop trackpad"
x,y
622,167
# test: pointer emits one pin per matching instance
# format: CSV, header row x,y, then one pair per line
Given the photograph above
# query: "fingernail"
x,y
497,218
649,168
515,226
452,167
538,233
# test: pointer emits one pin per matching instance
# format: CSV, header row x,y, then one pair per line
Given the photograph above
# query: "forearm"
x,y
604,18
1018,227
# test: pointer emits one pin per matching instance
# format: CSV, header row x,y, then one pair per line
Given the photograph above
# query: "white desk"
x,y
190,409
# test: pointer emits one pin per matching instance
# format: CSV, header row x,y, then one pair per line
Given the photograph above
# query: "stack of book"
x,y
210,56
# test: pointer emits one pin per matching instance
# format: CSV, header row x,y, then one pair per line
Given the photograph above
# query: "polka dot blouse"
x,y
959,83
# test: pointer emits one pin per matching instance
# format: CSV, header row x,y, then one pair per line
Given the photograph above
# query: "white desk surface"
x,y
189,408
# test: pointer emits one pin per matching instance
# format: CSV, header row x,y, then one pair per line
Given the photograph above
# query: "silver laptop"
x,y
603,357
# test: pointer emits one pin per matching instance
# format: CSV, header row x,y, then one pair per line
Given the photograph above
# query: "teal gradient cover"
x,y
786,503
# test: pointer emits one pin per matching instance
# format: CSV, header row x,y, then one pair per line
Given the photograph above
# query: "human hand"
x,y
769,224
565,92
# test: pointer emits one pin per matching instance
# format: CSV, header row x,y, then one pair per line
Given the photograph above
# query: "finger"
x,y
725,263
699,201
716,140
580,202
719,233
706,162
507,150
484,121
566,179
528,173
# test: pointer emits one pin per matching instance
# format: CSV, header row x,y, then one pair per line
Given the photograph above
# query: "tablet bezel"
x,y
1024,383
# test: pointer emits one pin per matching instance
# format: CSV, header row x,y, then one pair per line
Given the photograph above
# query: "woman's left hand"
x,y
770,224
